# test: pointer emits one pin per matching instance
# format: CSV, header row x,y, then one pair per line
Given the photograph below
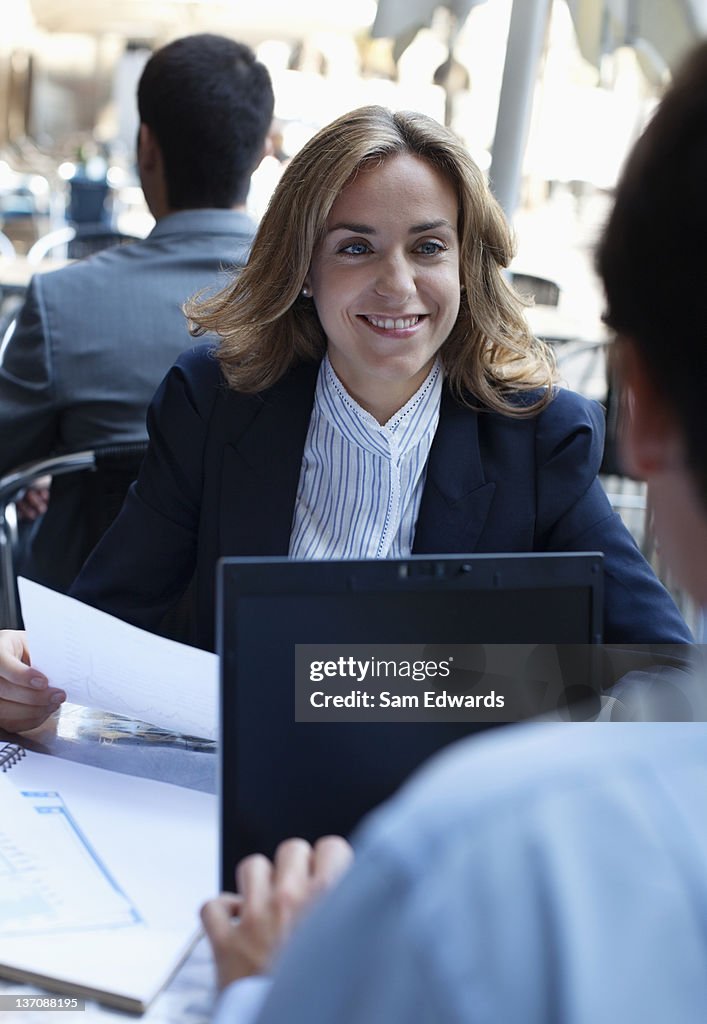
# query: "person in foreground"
x,y
376,392
94,339
544,872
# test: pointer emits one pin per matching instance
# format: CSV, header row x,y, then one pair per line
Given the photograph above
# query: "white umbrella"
x,y
395,18
661,31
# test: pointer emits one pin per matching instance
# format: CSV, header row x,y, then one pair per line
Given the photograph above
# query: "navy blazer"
x,y
222,470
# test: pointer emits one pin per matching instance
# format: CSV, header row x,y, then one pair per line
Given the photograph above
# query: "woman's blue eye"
x,y
430,248
354,248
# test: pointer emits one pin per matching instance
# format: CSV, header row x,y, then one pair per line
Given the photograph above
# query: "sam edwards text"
x,y
386,699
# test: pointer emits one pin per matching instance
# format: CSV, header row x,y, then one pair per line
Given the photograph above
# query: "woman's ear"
x,y
650,437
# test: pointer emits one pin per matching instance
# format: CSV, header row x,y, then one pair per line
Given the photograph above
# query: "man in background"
x,y
546,872
94,339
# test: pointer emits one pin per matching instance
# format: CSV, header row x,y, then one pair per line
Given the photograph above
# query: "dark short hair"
x,y
653,254
209,103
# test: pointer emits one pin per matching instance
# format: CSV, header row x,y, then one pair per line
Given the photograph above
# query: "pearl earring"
x,y
306,292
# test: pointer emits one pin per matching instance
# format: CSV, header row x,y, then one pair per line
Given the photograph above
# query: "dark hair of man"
x,y
653,254
209,103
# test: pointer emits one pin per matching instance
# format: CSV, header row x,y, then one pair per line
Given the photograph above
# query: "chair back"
x,y
541,289
88,240
116,467
107,472
69,242
7,249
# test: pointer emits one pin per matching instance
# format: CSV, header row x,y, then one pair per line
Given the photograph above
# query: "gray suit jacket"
x,y
92,343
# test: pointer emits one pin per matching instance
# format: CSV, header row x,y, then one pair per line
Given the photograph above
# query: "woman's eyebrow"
x,y
357,229
367,229
432,225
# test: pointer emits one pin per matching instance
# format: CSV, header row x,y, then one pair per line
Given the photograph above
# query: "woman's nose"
x,y
395,278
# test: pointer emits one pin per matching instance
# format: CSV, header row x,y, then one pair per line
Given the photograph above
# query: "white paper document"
x,y
103,662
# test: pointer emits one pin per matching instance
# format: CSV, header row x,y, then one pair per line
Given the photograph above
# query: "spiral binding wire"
x,y
10,753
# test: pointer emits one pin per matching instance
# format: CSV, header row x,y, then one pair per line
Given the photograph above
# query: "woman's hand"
x,y
26,698
246,931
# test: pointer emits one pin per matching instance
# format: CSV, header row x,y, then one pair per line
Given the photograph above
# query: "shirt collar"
x,y
221,222
402,432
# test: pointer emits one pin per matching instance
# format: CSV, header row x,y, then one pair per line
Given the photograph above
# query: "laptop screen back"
x,y
282,777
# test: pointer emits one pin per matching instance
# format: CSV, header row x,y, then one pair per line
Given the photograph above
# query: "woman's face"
x,y
385,280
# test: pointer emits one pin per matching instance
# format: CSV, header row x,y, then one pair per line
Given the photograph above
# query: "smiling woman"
x,y
376,391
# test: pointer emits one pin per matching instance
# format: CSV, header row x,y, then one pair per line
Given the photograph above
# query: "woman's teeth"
x,y
389,324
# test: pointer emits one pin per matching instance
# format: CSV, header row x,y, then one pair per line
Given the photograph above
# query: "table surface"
x,y
120,744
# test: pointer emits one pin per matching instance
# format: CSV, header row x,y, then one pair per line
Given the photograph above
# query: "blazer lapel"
x,y
261,467
456,499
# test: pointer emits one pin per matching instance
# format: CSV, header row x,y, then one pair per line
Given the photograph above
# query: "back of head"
x,y
653,254
209,104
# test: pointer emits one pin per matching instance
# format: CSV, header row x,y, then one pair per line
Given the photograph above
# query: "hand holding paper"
x,y
26,699
102,662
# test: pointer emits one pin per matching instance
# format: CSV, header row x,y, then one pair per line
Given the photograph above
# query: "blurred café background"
x,y
548,95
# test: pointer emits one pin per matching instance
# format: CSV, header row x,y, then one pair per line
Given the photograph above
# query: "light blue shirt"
x,y
361,482
541,873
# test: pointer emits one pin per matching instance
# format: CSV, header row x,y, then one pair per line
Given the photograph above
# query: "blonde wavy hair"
x,y
266,326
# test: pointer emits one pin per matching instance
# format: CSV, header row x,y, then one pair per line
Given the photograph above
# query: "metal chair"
x,y
58,239
7,249
8,293
542,289
73,243
112,467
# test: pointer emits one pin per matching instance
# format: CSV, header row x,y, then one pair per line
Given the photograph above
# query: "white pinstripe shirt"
x,y
361,483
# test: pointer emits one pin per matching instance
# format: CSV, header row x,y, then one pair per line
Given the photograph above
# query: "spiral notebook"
x,y
101,877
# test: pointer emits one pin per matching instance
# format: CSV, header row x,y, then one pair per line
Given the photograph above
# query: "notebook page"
x,y
157,845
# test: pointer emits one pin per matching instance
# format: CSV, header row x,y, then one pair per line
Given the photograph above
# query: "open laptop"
x,y
281,777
